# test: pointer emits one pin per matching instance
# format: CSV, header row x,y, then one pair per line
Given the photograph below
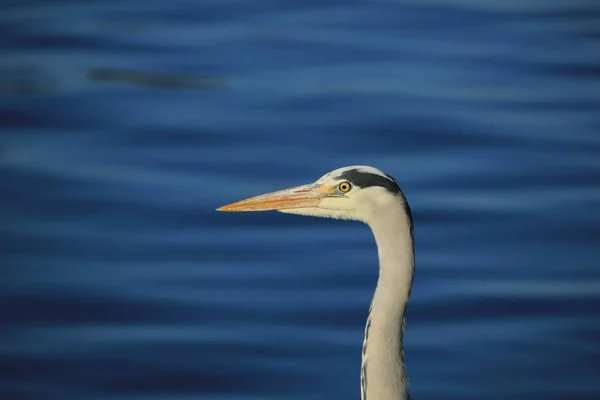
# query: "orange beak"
x,y
298,197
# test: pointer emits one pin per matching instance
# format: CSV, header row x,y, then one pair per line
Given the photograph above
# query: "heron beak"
x,y
298,197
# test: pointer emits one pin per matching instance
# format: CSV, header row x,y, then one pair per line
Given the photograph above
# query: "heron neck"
x,y
383,375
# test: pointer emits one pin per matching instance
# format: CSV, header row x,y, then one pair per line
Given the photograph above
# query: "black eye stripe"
x,y
367,179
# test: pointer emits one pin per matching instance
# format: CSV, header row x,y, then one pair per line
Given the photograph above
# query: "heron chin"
x,y
365,194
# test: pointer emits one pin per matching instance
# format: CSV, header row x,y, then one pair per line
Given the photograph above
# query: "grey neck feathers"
x,y
383,376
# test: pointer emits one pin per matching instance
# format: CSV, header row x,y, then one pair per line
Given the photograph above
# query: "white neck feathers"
x,y
383,375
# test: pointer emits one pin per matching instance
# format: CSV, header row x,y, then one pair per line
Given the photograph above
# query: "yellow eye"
x,y
345,187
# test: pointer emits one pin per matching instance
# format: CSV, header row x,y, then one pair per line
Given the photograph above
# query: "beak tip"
x,y
227,208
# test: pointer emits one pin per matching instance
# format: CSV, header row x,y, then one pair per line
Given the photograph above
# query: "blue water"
x,y
125,124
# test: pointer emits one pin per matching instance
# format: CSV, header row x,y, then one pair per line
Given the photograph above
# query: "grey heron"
x,y
365,194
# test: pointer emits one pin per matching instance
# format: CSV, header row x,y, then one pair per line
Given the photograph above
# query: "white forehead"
x,y
361,168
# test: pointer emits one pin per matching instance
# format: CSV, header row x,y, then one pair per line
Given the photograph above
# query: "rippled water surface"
x,y
125,124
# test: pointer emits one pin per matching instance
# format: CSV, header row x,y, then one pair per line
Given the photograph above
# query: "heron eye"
x,y
345,187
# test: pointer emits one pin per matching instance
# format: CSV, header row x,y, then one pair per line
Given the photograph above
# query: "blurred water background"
x,y
124,124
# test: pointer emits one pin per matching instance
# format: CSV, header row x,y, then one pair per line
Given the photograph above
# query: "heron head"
x,y
355,193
